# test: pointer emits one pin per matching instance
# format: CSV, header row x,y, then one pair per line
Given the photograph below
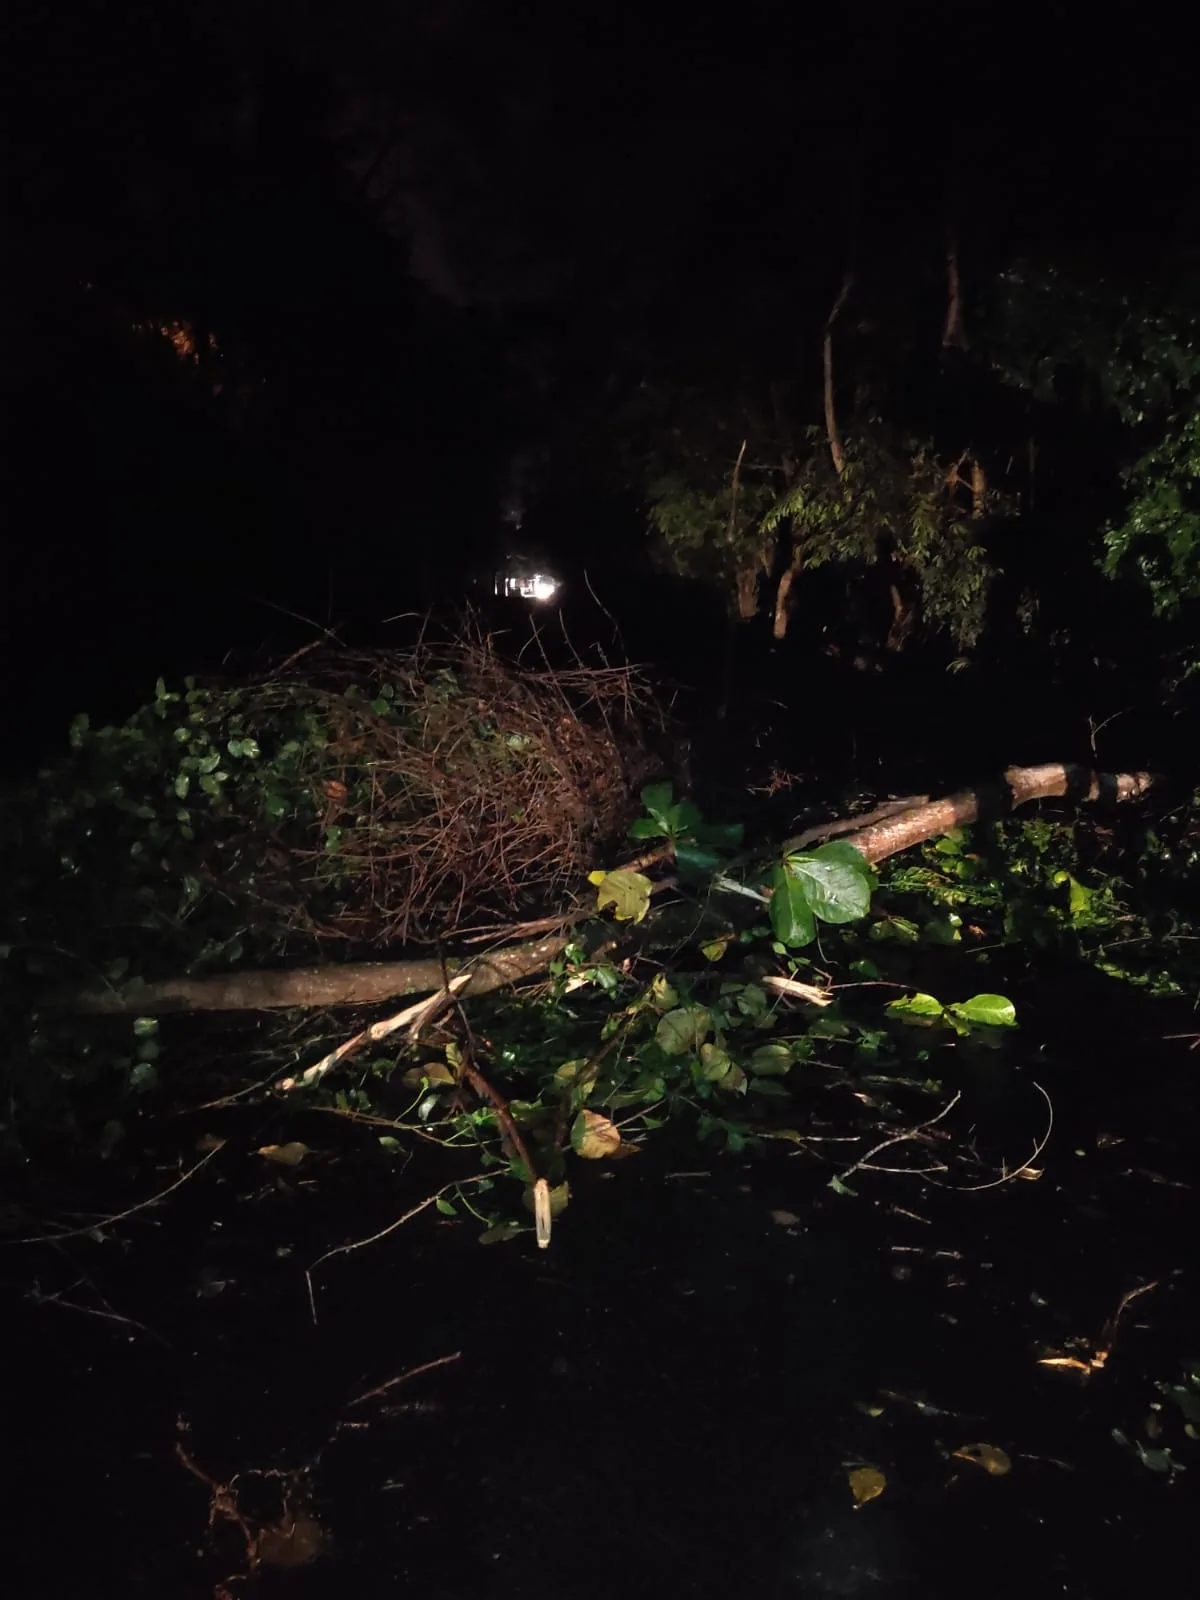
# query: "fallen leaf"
x,y
866,1483
988,1456
285,1155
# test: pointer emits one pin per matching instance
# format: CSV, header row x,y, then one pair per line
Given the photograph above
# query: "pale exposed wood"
x,y
1018,786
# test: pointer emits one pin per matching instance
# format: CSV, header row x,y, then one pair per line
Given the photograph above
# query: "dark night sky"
x,y
424,234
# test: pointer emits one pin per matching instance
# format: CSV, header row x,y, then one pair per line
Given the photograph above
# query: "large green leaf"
x,y
721,835
836,889
682,1031
917,1008
842,850
694,861
657,798
791,918
648,828
683,817
993,1010
771,1061
714,1062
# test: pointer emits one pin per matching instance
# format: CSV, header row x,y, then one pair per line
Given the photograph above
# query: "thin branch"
x,y
900,1138
374,1238
1007,1177
403,1377
121,1216
412,1017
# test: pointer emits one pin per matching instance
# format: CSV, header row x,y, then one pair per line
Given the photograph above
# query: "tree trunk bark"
x,y
783,597
953,333
1018,786
372,983
353,984
836,451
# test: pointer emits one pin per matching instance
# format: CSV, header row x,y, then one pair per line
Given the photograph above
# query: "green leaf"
x,y
714,949
445,1207
714,1063
657,798
791,918
648,828
922,1008
663,994
683,817
145,1027
749,998
993,1010
836,889
851,856
1186,1399
771,1060
770,1087
684,1030
1081,898
721,835
500,1233
694,861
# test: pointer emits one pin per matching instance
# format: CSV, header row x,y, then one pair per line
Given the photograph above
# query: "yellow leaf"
x,y
628,893
715,949
988,1456
285,1155
594,1136
867,1483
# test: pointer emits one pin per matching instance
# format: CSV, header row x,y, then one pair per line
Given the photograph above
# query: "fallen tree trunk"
x,y
371,983
1018,787
353,984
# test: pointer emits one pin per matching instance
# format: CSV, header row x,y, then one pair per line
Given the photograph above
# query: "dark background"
x,y
437,246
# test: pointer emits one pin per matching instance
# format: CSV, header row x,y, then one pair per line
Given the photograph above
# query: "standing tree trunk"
x,y
783,594
954,335
904,619
837,455
978,489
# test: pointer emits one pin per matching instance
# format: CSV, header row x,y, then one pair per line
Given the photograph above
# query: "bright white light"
x,y
529,586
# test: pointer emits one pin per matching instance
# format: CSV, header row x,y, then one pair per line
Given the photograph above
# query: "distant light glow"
x,y
539,586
